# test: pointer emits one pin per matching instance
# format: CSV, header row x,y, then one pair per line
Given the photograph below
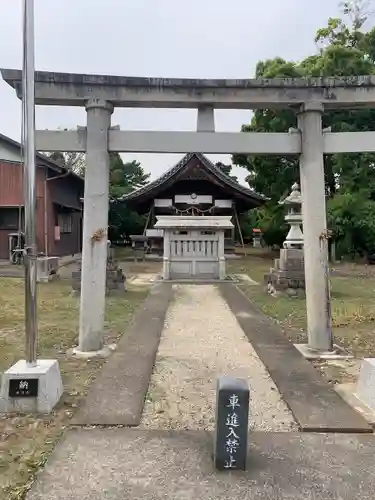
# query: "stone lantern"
x,y
293,217
257,238
288,274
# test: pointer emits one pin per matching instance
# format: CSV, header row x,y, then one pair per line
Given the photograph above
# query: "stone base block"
x,y
102,353
76,276
290,254
277,283
365,390
49,387
311,354
288,275
347,392
291,259
295,293
47,269
115,281
291,275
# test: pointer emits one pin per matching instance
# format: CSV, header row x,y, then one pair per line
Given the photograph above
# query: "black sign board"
x,y
23,387
232,415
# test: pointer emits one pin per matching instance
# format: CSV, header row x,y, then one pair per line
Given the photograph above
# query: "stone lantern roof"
x,y
294,198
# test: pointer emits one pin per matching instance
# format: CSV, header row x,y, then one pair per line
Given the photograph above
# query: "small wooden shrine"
x,y
192,187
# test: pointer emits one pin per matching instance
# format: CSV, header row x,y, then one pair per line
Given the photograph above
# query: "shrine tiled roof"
x,y
209,166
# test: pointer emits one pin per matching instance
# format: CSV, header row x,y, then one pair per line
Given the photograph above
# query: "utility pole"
x,y
30,385
28,142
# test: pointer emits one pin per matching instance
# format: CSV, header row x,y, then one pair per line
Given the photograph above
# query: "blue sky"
x,y
164,38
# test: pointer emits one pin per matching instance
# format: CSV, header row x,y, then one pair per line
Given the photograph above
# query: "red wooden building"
x,y
59,207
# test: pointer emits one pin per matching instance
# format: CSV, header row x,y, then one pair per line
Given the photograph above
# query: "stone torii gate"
x,y
99,94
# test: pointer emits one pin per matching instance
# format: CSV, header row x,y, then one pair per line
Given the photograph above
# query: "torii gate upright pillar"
x,y
314,231
95,227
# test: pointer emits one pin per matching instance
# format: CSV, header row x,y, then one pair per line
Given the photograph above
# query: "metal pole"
x,y
28,140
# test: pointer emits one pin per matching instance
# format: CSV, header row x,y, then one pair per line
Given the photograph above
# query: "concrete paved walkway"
x,y
133,464
150,462
117,395
201,341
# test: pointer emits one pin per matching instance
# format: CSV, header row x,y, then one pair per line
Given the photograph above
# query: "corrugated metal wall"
x,y
65,191
11,184
11,195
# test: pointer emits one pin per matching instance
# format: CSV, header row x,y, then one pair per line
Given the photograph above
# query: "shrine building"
x,y
193,214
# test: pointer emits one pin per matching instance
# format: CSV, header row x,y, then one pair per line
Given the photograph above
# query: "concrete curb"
x,y
117,395
315,405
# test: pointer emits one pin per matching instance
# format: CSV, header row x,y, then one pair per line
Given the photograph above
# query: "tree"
x,y
226,169
124,177
358,12
344,49
269,219
351,216
123,222
71,161
271,175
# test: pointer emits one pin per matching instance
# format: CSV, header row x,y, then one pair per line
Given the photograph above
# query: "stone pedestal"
x,y
257,242
139,246
257,238
115,278
365,390
288,274
47,269
31,389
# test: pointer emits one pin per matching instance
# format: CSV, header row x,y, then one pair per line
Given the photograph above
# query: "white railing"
x,y
187,248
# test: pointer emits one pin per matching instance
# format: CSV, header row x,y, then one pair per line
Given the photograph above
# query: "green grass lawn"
x,y
353,305
25,441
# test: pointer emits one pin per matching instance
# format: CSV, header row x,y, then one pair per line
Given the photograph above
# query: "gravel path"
x,y
202,340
